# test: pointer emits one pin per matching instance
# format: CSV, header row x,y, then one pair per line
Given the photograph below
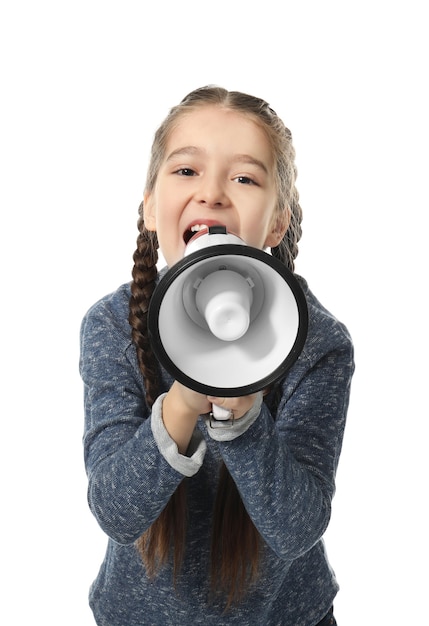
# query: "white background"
x,y
83,87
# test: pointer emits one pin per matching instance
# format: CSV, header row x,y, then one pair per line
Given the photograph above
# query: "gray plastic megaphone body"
x,y
228,319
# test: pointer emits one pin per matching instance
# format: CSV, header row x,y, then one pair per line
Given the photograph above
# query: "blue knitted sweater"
x,y
284,466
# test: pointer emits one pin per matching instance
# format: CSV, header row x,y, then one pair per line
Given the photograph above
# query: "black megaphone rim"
x,y
217,251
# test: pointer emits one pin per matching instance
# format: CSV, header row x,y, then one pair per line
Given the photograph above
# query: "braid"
x,y
144,279
170,527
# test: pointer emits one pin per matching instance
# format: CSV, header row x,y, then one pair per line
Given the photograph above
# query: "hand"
x,y
189,401
239,406
180,410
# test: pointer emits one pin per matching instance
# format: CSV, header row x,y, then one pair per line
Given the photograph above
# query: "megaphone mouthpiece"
x,y
211,236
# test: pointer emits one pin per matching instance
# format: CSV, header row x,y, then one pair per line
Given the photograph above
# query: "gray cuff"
x,y
224,432
186,465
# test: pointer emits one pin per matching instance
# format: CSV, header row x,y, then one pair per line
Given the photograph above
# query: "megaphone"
x,y
228,319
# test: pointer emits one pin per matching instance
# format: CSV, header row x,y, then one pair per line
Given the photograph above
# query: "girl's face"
x,y
218,169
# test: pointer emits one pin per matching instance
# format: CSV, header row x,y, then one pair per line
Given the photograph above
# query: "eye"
x,y
245,180
185,171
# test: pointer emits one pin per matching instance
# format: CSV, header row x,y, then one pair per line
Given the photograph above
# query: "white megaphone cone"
x,y
228,319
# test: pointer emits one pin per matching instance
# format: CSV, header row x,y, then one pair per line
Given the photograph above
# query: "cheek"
x,y
171,245
257,233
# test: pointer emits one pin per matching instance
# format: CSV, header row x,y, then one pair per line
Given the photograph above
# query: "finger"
x,y
218,401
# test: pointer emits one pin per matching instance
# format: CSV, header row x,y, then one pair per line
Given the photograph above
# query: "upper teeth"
x,y
197,227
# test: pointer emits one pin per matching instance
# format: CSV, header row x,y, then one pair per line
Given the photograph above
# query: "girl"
x,y
212,525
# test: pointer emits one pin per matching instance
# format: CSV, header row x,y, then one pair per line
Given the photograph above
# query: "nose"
x,y
211,192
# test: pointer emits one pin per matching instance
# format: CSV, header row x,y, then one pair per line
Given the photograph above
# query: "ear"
x,y
149,212
279,225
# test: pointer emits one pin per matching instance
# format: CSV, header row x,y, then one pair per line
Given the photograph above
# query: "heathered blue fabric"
x,y
283,465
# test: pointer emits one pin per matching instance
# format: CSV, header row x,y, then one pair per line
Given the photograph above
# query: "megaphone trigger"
x,y
220,414
220,417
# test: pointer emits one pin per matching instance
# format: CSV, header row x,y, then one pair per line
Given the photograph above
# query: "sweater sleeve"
x,y
285,468
188,464
130,479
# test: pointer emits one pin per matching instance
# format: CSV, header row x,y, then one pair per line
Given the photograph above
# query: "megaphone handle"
x,y
219,413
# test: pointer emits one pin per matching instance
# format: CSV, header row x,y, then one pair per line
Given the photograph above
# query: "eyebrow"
x,y
237,158
246,158
185,151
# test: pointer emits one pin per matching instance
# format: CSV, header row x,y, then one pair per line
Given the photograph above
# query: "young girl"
x,y
212,525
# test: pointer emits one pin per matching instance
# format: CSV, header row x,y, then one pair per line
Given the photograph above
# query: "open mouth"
x,y
194,230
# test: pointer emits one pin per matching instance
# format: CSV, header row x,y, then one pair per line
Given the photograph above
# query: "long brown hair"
x,y
235,540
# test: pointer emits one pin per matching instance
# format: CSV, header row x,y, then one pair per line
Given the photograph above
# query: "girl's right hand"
x,y
180,410
189,400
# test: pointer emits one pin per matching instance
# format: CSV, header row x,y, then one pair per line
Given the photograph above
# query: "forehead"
x,y
218,128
